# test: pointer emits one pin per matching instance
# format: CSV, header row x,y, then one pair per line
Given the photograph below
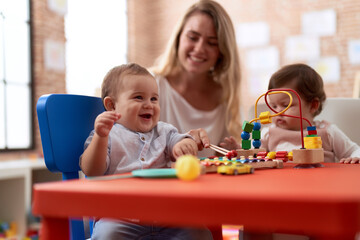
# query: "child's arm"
x,y
350,160
355,155
185,146
93,160
344,149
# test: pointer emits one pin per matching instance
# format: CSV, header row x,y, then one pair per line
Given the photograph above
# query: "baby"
x,y
284,133
129,136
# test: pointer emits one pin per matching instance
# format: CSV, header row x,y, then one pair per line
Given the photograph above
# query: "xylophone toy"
x,y
309,155
235,169
211,164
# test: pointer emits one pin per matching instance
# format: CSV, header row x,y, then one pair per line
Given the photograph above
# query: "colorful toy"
x,y
238,152
187,167
235,169
8,231
227,153
309,155
258,162
282,155
311,152
312,155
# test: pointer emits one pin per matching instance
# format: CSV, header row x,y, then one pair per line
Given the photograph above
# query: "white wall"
x,y
96,32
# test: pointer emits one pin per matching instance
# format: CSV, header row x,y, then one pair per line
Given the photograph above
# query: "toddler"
x,y
129,136
284,133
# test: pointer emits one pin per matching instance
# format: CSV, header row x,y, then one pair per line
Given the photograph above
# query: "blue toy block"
x,y
257,126
311,128
245,135
256,143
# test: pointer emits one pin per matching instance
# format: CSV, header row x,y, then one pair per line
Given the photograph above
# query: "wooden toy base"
x,y
308,156
302,166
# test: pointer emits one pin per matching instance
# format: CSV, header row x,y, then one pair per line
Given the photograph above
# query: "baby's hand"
x,y
104,122
185,146
350,160
230,143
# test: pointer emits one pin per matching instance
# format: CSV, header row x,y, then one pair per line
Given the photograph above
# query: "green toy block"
x,y
246,144
247,127
256,134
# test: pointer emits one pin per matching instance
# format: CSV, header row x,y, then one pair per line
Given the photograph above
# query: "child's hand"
x,y
104,122
230,143
185,146
350,160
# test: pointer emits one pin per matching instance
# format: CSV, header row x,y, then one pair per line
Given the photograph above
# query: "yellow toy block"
x,y
265,117
312,142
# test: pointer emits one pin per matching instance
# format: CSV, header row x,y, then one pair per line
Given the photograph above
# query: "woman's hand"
x,y
201,138
230,143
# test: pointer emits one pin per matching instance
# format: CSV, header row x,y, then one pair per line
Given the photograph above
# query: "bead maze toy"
x,y
310,155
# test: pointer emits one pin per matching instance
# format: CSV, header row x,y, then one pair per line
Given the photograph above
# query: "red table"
x,y
322,202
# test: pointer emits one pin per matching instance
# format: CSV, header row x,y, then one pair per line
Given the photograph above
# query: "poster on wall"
x,y
252,34
261,63
319,23
354,51
58,6
302,48
54,55
328,68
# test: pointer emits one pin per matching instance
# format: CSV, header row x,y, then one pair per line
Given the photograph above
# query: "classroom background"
x,y
68,46
270,33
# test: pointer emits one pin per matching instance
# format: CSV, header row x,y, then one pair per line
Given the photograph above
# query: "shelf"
x,y
16,180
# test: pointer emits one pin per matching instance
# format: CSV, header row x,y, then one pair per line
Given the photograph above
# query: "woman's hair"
x,y
112,80
303,79
227,69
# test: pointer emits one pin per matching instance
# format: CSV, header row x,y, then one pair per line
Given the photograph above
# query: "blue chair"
x,y
65,121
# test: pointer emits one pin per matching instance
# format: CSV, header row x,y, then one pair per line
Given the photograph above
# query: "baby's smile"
x,y
146,115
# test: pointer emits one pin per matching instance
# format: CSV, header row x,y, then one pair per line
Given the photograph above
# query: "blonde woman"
x,y
199,76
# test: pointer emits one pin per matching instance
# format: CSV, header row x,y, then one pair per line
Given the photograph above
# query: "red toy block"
x,y
312,132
